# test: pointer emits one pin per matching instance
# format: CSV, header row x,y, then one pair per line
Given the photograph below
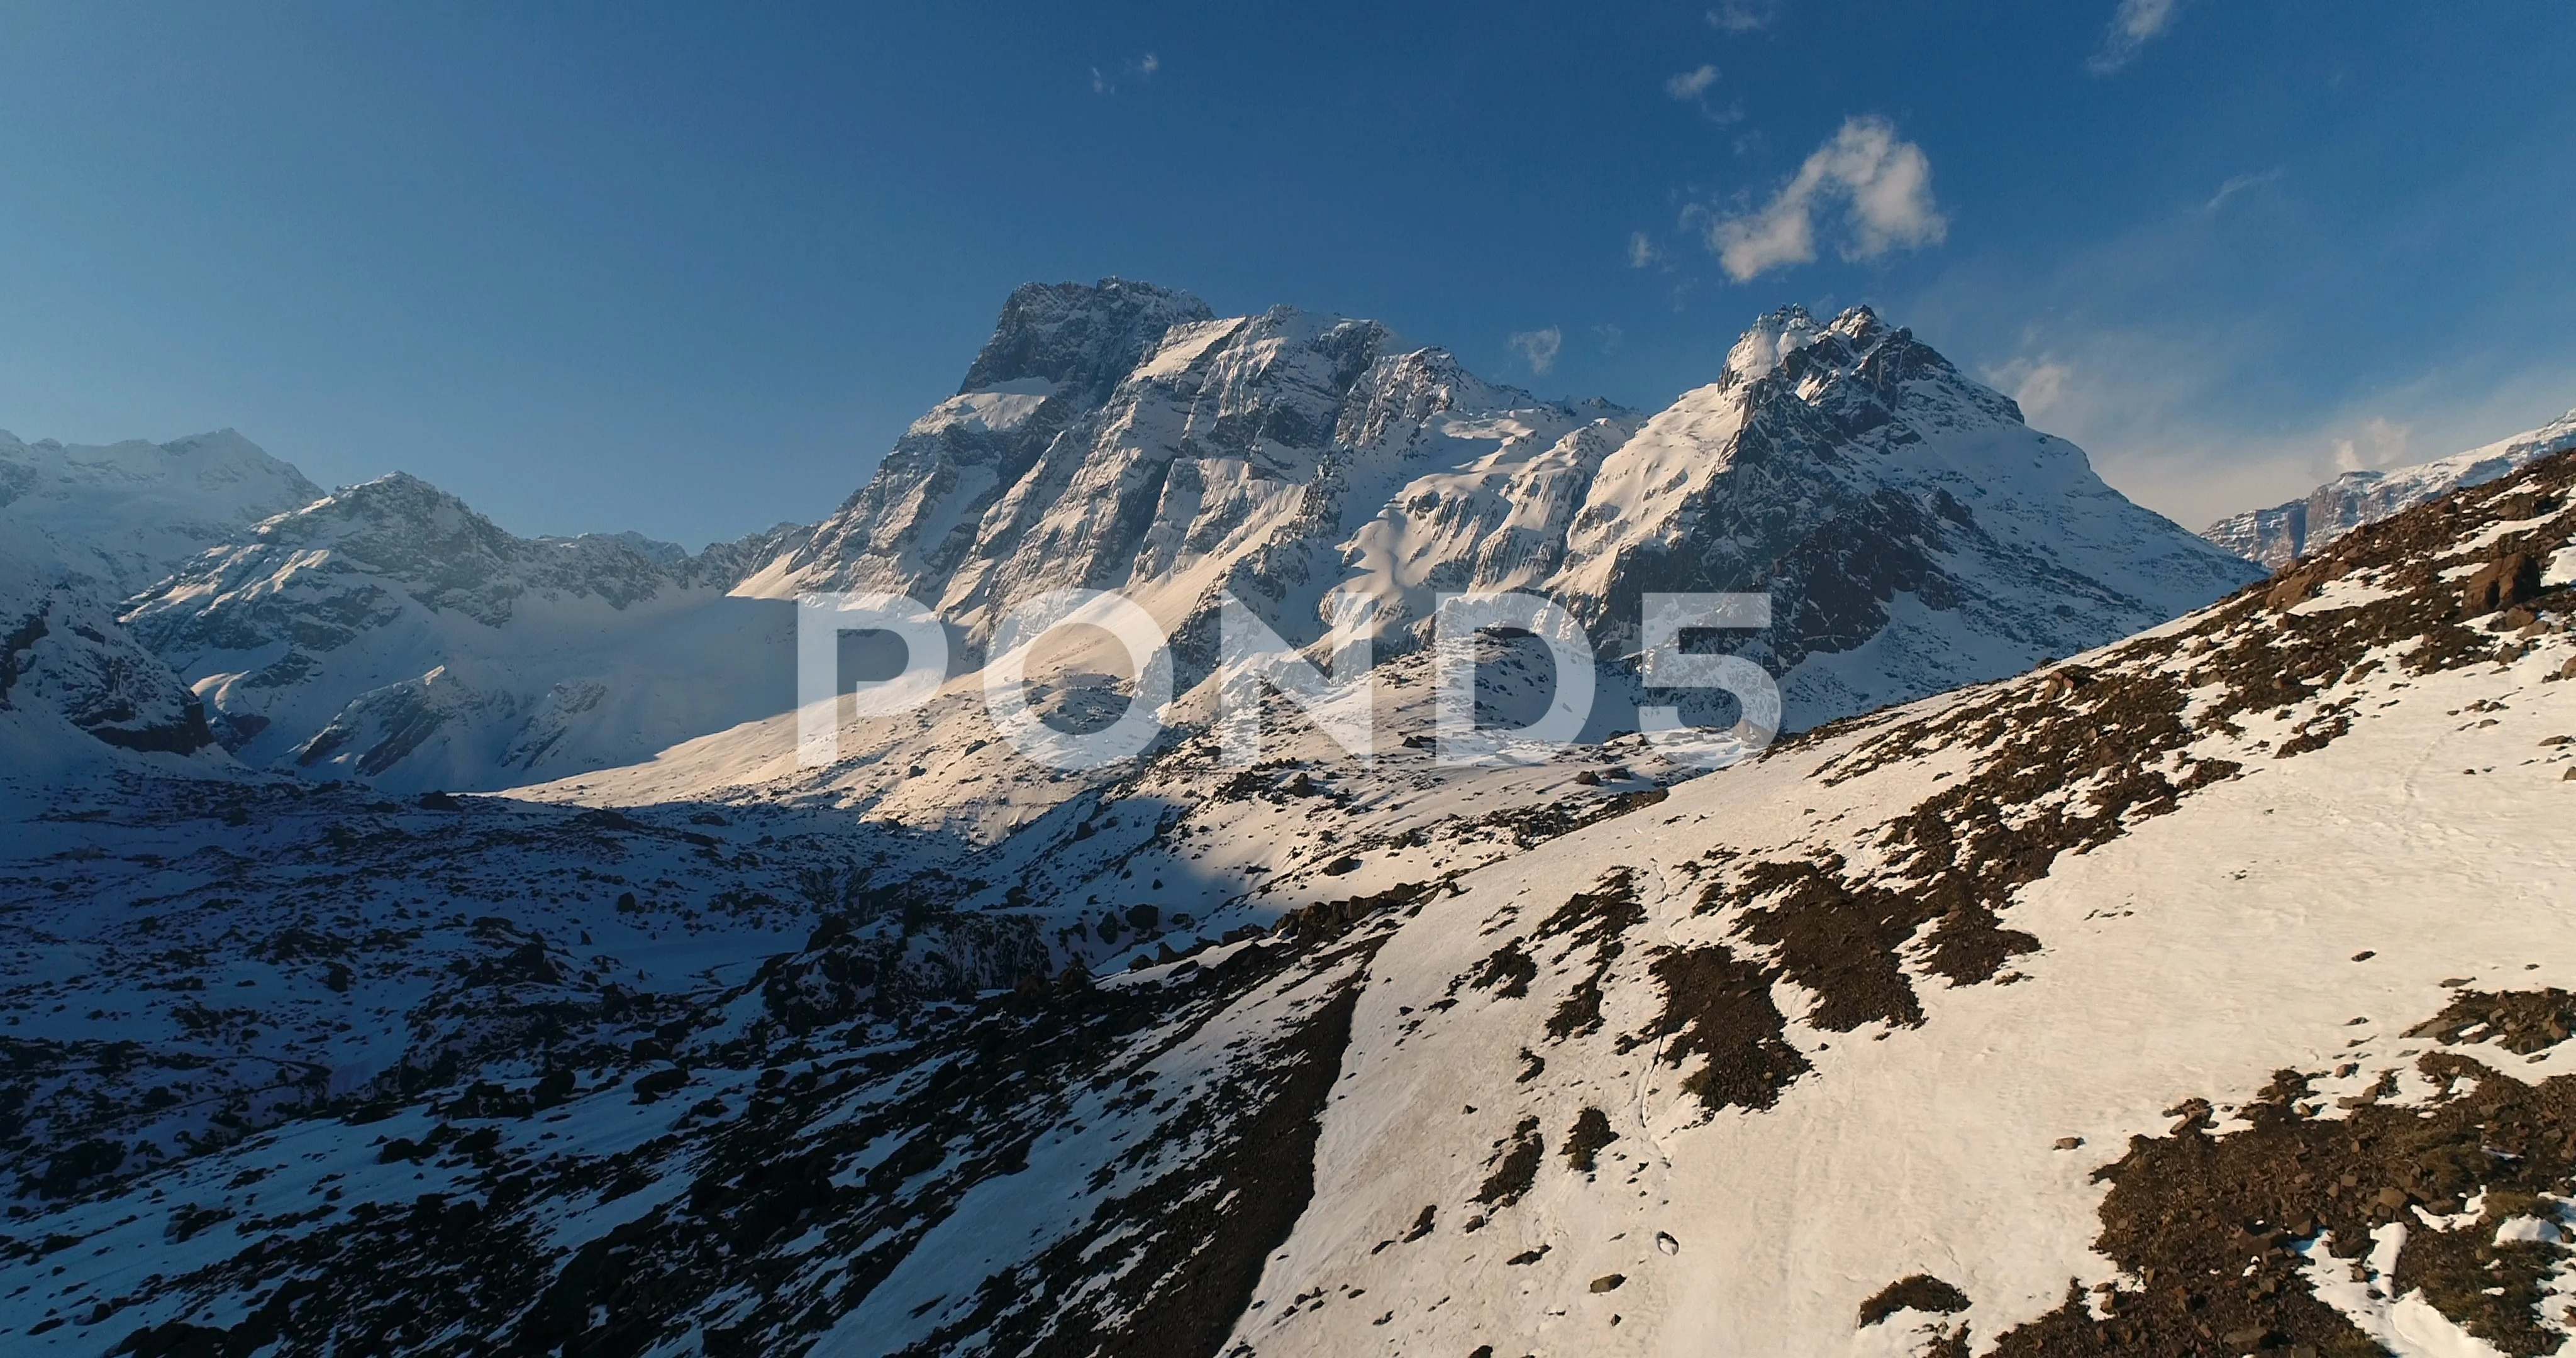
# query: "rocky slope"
x,y
80,528
2283,533
74,687
389,633
2207,993
1913,533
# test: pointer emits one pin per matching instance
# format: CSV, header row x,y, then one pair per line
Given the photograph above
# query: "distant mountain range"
x,y
2277,536
121,517
1913,532
389,633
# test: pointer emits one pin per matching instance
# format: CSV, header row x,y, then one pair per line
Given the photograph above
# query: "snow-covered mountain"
x,y
1119,437
82,527
74,687
124,515
390,633
2206,993
1914,532
2277,536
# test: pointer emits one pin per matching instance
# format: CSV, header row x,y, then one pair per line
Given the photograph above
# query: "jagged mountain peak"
x,y
1413,385
424,534
1785,330
392,631
1295,458
1858,359
397,502
225,444
1077,336
1772,337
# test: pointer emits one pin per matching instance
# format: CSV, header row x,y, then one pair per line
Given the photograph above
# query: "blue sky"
x,y
690,271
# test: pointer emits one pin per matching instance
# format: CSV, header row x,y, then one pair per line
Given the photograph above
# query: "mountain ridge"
x,y
125,515
1121,436
2277,536
388,628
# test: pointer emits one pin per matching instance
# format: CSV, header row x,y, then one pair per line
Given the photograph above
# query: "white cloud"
x,y
1141,68
2037,385
1611,335
1885,185
1691,84
2162,416
1538,348
2237,184
1692,87
1641,251
1743,16
2374,445
2137,23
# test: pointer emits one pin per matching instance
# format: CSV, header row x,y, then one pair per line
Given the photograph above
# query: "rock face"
x,y
70,675
1056,356
2277,536
1913,532
389,632
1120,437
127,514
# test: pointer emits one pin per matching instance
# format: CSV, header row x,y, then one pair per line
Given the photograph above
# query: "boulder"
x,y
2501,584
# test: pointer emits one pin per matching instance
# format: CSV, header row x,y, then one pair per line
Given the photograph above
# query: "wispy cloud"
x,y
2235,185
2162,416
1538,348
1692,87
1611,335
1743,16
2137,23
1884,184
2374,445
1641,251
2036,384
1140,69
1691,84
